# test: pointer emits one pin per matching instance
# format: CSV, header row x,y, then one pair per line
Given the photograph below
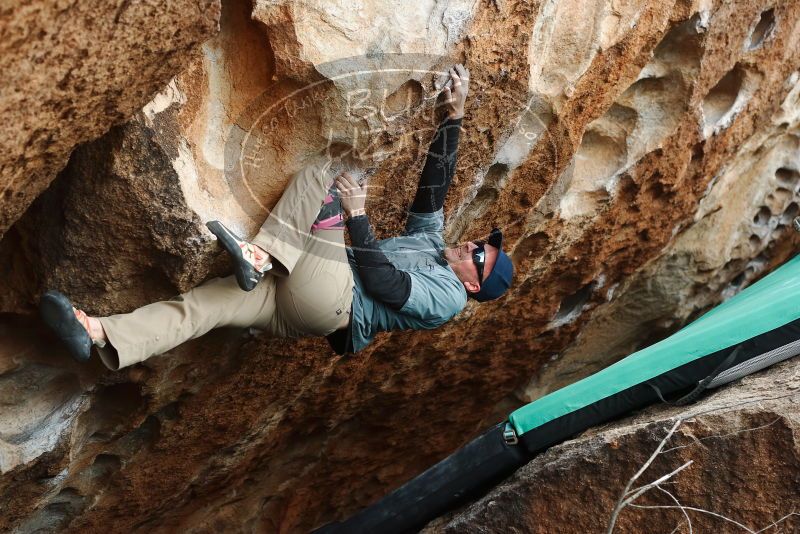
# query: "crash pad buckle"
x,y
510,435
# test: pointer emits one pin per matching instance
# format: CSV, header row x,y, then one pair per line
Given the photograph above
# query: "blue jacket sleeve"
x,y
434,298
429,223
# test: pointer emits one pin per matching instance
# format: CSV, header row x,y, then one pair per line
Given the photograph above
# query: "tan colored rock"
x,y
71,70
626,155
748,209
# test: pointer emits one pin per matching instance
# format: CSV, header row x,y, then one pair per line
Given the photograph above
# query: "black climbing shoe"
x,y
241,251
57,312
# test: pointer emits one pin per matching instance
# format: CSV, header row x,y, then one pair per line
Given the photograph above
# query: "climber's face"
x,y
465,260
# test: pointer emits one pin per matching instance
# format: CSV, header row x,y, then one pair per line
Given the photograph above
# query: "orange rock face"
x,y
641,157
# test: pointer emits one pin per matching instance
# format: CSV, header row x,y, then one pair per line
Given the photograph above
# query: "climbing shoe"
x,y
330,215
58,314
243,254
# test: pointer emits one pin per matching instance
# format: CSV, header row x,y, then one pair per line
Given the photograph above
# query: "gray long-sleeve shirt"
x,y
436,296
404,282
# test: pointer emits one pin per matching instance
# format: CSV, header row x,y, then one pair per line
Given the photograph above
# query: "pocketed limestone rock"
x,y
640,157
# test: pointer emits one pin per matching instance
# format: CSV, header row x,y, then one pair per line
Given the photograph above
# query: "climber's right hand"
x,y
455,97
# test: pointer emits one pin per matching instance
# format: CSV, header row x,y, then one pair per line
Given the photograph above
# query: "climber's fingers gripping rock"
x,y
455,92
353,194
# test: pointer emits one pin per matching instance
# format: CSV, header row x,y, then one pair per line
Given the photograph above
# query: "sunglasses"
x,y
479,258
479,253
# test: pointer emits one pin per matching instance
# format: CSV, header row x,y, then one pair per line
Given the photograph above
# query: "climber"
x,y
316,285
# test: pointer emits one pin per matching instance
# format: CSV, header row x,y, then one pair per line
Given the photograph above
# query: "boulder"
x,y
73,69
729,462
640,157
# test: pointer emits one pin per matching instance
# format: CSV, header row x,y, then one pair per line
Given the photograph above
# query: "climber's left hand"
x,y
353,194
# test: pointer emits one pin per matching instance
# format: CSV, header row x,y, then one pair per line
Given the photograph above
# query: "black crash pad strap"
x,y
703,384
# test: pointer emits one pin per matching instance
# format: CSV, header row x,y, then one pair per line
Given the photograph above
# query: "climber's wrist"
x,y
355,212
456,113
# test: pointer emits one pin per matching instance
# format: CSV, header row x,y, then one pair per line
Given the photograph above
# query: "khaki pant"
x,y
309,290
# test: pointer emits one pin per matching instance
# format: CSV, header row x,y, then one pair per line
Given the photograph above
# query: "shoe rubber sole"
x,y
246,275
57,313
